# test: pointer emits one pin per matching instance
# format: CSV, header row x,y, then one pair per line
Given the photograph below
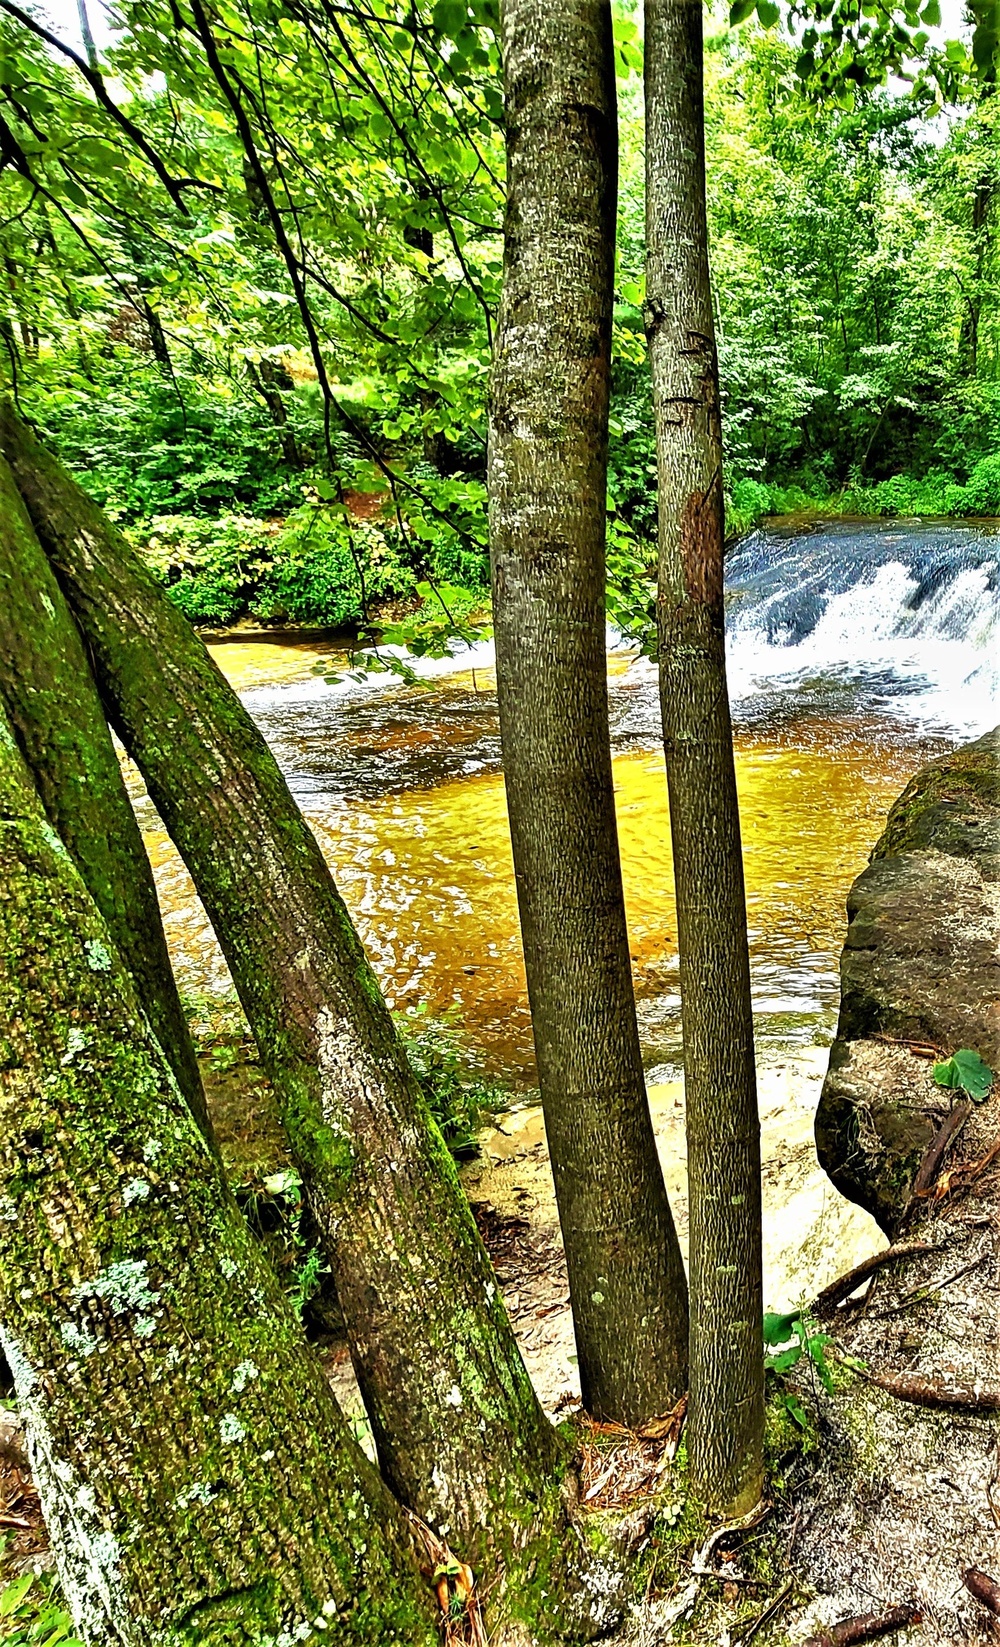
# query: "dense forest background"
x,y
162,339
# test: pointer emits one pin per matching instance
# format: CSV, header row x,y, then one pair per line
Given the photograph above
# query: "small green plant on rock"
x,y
965,1072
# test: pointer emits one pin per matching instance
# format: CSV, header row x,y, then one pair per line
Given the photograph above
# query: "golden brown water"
x,y
427,872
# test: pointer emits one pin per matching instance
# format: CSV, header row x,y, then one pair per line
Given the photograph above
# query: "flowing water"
x,y
855,652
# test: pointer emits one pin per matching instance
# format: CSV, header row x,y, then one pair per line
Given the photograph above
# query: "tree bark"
x,y
460,1435
198,1480
547,484
725,1421
59,722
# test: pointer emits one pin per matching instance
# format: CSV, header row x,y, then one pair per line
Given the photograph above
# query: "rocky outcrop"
x,y
920,968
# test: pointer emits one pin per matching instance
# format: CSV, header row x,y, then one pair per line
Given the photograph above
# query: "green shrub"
x,y
32,1614
211,568
982,491
747,503
314,576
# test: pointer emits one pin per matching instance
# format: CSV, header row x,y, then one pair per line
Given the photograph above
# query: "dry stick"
x,y
949,1129
918,1294
985,1589
850,1632
838,1290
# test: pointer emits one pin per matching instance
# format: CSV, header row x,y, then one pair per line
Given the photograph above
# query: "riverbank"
x,y
317,573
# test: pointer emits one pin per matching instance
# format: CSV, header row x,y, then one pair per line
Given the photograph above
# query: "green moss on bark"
x,y
197,1478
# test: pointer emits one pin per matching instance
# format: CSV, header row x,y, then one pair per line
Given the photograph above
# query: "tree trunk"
x,y
968,346
197,1478
726,1416
547,482
459,1431
265,380
60,725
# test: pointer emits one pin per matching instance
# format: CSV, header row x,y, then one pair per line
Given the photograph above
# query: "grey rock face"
x,y
921,964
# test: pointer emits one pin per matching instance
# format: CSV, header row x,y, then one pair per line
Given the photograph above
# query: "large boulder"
x,y
920,968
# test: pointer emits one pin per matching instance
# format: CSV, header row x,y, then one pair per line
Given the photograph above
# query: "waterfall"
x,y
900,618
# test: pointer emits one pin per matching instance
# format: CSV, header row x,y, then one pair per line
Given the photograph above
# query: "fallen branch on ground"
x,y
964,1175
842,1288
920,1049
919,1294
850,1632
930,1392
985,1589
744,1635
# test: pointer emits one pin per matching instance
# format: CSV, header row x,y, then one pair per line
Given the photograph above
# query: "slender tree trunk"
x,y
547,481
265,380
459,1431
726,1416
198,1480
60,725
969,337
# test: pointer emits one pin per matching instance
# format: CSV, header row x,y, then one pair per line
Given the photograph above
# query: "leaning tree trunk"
x,y
547,480
725,1425
60,725
460,1434
198,1480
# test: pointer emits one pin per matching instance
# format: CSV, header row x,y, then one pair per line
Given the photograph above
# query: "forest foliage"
x,y
152,327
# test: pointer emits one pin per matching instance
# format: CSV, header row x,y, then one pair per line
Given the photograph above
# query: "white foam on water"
x,y
937,663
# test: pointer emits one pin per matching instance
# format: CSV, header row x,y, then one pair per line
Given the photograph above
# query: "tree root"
x,y
930,1392
985,1589
827,1301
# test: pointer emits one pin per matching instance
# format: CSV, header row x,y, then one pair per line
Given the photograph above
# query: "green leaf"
x,y
15,1593
740,10
795,1409
966,1072
451,17
786,1360
931,14
768,13
778,1329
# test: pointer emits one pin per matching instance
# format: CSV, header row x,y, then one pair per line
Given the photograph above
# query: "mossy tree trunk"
x,y
460,1434
199,1483
548,475
59,722
723,1134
